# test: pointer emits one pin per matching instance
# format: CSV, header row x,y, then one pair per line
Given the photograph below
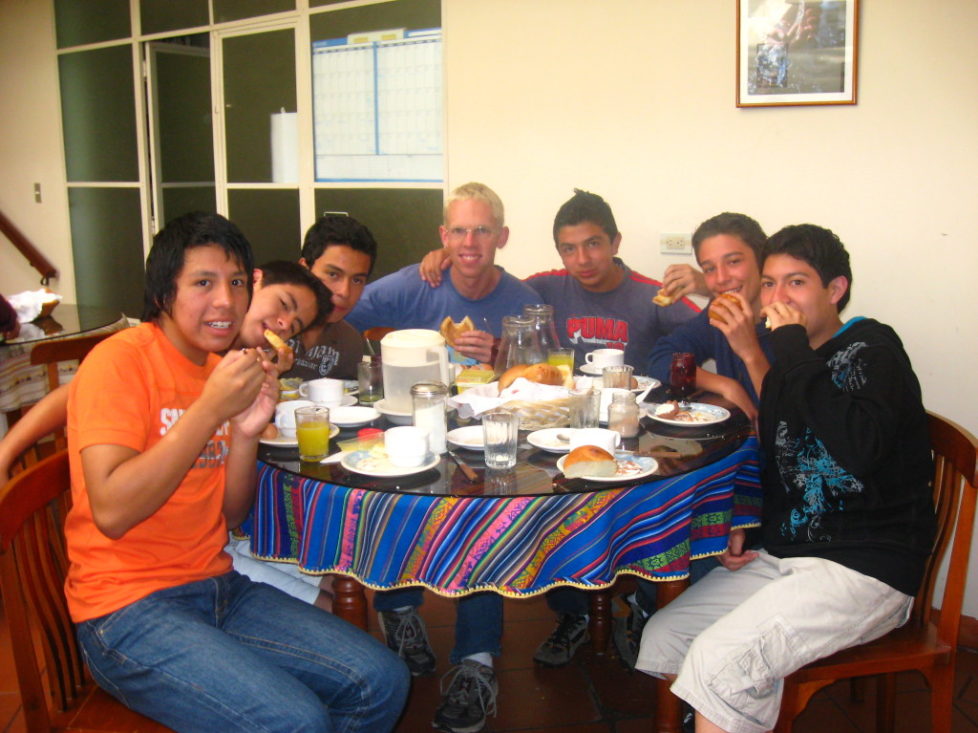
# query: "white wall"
x,y
30,146
634,99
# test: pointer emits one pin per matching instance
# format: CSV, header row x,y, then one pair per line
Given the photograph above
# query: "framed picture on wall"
x,y
796,52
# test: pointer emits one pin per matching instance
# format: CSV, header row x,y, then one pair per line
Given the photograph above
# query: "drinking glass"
x,y
500,429
618,376
370,379
584,404
563,359
312,432
682,375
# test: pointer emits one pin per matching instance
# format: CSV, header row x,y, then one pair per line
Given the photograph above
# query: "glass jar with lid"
x,y
623,414
430,407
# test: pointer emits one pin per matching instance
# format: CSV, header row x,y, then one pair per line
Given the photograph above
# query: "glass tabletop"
x,y
677,450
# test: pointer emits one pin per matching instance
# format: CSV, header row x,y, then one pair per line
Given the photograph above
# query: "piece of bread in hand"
x,y
718,315
276,342
450,330
661,298
589,460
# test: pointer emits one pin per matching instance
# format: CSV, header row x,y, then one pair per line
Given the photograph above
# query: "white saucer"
x,y
547,440
352,416
280,441
706,415
469,437
362,461
594,371
395,416
629,468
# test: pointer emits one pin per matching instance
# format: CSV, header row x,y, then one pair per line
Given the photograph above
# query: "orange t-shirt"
x,y
130,390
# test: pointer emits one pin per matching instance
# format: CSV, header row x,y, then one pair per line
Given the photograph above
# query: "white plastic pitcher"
x,y
410,356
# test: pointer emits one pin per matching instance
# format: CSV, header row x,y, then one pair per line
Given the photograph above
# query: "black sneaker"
x,y
558,648
405,633
470,697
688,717
627,621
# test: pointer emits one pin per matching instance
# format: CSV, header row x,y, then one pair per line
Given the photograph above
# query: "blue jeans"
x,y
478,619
229,654
574,601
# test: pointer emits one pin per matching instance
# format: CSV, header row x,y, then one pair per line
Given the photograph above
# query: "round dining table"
x,y
517,532
22,384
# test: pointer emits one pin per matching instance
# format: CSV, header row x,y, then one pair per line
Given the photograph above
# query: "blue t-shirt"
x,y
706,342
623,318
403,300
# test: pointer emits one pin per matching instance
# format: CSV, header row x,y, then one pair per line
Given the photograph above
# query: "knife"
x,y
466,469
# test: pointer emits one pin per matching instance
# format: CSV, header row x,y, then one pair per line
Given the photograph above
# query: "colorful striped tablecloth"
x,y
517,546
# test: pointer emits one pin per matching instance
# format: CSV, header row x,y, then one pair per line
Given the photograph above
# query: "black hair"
x,y
582,207
168,255
734,225
292,273
332,229
819,247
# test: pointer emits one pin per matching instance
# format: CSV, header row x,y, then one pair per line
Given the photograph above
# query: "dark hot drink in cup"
x,y
682,375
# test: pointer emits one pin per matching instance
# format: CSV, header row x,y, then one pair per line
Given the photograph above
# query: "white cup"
x,y
605,357
406,446
607,439
323,391
285,416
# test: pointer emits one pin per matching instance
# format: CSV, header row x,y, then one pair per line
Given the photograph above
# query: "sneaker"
x,y
688,718
470,697
627,621
405,633
558,648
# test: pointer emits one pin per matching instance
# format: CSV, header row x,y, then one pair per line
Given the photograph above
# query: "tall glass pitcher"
x,y
520,344
543,322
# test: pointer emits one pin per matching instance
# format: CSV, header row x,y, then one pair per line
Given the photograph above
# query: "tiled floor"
x,y
594,694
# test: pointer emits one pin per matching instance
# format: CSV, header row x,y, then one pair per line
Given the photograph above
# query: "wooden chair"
x,y
51,353
925,644
33,563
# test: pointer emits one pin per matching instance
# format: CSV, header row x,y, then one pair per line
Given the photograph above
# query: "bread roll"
x,y
451,330
511,375
589,460
544,373
715,313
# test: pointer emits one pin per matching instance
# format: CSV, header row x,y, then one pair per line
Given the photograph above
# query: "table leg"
x,y
667,708
599,625
349,601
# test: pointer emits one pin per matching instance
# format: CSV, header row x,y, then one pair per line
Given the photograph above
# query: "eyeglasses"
x,y
481,233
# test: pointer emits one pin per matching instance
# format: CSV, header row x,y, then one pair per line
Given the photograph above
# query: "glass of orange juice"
x,y
312,432
563,359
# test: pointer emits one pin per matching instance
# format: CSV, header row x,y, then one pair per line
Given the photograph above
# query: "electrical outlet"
x,y
675,244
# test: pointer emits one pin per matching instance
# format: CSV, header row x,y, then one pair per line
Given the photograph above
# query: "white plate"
x,y
368,464
629,467
352,416
395,416
546,439
644,383
280,441
469,437
711,414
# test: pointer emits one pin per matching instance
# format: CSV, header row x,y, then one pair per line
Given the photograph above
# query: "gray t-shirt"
x,y
623,318
335,354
